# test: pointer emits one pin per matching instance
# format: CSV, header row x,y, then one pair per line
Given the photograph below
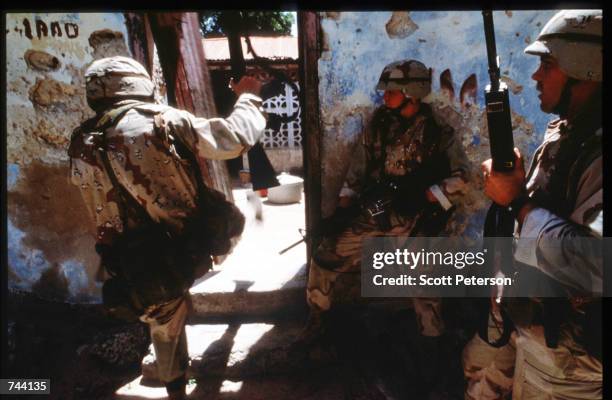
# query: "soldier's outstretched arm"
x,y
220,138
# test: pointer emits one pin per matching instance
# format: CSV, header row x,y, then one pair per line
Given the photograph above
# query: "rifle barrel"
x,y
487,16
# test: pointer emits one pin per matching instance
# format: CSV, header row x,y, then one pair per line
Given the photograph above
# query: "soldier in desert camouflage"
x,y
558,207
136,165
415,172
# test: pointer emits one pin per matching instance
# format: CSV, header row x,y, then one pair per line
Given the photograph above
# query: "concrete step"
x,y
265,291
255,280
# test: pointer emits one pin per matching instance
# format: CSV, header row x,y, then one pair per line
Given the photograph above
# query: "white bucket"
x,y
289,191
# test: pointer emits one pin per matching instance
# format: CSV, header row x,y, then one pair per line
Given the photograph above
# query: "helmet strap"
x,y
404,104
398,110
565,99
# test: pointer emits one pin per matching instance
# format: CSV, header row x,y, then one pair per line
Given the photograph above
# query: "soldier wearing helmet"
x,y
158,225
411,173
558,206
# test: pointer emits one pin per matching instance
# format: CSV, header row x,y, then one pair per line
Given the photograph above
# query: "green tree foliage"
x,y
212,23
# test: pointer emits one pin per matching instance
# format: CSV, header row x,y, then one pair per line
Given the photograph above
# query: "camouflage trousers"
x,y
326,285
530,370
167,327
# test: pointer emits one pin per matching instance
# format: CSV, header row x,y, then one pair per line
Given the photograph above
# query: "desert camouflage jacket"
x,y
396,146
146,150
569,193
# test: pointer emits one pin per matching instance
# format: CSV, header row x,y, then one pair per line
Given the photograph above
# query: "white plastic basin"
x,y
289,191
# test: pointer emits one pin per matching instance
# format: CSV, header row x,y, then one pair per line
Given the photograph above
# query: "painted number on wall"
x,y
42,29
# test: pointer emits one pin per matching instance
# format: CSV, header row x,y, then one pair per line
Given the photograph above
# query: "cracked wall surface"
x,y
357,45
50,235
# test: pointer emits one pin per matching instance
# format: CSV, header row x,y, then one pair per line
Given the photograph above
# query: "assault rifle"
x,y
499,221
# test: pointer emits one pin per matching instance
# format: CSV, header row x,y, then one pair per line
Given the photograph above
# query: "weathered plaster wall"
x,y
50,234
357,45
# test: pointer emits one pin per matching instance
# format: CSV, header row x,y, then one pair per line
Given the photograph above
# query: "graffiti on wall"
x,y
43,29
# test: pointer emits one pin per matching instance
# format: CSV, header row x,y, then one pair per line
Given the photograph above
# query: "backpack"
x,y
150,265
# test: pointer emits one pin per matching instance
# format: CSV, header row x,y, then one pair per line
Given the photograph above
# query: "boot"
x,y
176,389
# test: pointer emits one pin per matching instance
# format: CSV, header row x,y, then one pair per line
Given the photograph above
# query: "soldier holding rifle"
x,y
556,351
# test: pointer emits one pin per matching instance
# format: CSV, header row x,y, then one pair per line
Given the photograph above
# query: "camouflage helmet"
x,y
412,77
574,39
117,78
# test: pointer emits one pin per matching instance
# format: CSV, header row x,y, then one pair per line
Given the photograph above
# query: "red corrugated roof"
x,y
271,47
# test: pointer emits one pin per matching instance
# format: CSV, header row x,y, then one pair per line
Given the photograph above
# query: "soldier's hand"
x,y
503,187
430,196
246,85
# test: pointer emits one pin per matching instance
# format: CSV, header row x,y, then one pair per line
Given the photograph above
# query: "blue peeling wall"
x,y
50,234
356,47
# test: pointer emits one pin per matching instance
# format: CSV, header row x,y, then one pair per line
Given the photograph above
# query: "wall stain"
x,y
47,92
446,84
50,211
467,95
108,43
52,284
400,25
41,60
325,48
514,87
44,131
